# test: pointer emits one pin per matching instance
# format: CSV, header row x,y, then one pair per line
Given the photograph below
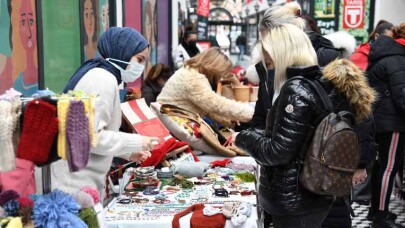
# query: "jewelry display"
x,y
161,201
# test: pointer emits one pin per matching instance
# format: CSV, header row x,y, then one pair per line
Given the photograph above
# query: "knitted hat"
x,y
7,155
77,131
89,216
158,154
198,219
40,127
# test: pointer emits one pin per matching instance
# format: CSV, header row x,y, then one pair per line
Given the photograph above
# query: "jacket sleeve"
x,y
202,95
259,117
396,82
368,147
291,125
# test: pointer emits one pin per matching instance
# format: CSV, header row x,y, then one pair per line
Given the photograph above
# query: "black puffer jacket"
x,y
264,98
278,150
386,73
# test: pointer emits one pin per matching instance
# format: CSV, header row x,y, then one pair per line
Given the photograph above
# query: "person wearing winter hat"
x,y
262,71
124,52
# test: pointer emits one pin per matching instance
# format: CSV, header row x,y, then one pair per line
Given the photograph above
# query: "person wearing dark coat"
x,y
295,108
386,73
154,82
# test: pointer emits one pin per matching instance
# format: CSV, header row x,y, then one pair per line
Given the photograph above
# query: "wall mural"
x,y
18,46
149,29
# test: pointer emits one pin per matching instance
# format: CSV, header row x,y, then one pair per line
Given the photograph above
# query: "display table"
x,y
161,215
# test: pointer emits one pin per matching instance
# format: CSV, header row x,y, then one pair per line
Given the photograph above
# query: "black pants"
x,y
310,220
390,158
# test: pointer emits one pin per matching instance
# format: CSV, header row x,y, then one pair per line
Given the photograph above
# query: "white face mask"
x,y
134,72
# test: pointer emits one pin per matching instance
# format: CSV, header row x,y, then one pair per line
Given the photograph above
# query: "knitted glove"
x,y
77,131
7,155
63,108
40,127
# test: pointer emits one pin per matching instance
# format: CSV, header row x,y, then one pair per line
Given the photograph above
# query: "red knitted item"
x,y
198,219
25,202
40,127
159,154
220,163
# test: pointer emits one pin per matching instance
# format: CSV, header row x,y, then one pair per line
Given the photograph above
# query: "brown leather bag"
x,y
333,154
209,136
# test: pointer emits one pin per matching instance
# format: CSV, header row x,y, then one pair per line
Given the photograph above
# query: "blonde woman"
x,y
192,88
295,108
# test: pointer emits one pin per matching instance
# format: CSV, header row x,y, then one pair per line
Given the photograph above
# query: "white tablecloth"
x,y
113,208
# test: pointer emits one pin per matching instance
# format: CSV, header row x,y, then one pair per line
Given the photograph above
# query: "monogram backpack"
x,y
330,161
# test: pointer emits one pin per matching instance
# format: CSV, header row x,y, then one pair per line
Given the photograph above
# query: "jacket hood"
x,y
383,47
349,80
344,41
318,41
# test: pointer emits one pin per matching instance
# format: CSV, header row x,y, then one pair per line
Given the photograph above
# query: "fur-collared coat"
x,y
289,122
190,90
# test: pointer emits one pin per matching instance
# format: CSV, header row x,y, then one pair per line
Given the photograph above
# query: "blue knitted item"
x,y
12,207
57,209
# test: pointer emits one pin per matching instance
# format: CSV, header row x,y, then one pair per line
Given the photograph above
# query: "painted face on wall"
x,y
88,15
27,22
105,16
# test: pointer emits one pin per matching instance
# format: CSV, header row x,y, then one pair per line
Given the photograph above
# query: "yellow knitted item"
x,y
15,223
89,108
63,108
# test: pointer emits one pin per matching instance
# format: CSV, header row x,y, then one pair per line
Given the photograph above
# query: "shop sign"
x,y
353,14
203,8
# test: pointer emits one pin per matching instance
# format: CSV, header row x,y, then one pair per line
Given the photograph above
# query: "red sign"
x,y
203,8
353,14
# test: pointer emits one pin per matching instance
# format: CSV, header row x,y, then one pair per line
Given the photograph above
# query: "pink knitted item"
x,y
25,202
40,127
93,192
78,136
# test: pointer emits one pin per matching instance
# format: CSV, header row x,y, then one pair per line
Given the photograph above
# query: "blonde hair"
x,y
18,53
287,45
212,63
276,15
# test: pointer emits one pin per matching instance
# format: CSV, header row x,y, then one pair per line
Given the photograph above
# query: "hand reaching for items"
x,y
140,157
359,176
148,143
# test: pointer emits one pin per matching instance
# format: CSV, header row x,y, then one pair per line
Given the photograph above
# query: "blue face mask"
x,y
134,72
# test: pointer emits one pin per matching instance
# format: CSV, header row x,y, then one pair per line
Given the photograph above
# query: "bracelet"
x,y
182,196
234,192
131,194
161,196
161,201
124,201
167,192
139,199
151,190
248,193
173,188
199,200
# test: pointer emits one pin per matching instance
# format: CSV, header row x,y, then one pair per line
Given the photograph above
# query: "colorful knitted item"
x,y
25,202
12,207
90,107
198,219
89,216
40,127
7,155
219,163
77,131
16,106
7,196
63,108
159,154
93,192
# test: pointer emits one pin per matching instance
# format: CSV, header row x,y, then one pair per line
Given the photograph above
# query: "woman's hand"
x,y
140,157
359,176
148,143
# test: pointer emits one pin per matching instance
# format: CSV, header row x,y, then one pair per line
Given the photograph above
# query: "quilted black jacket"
x,y
386,73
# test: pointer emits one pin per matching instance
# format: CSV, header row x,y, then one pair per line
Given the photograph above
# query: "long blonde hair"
x,y
288,46
18,53
212,63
